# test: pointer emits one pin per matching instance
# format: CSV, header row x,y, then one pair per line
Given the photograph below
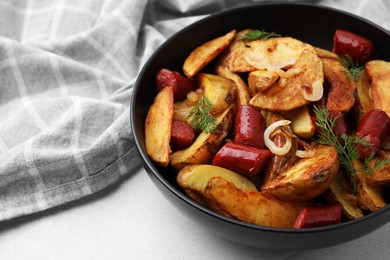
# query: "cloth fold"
x,y
67,71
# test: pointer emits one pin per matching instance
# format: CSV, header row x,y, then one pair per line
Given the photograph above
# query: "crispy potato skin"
x,y
370,198
379,73
381,176
341,191
307,178
251,206
205,53
158,126
342,90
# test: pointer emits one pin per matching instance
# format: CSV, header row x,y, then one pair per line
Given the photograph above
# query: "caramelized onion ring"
x,y
270,144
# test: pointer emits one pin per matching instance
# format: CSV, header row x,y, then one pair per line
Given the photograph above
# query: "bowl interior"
x,y
309,23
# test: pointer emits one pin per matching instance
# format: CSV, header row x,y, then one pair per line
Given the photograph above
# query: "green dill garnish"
x,y
350,67
201,119
257,34
347,151
378,164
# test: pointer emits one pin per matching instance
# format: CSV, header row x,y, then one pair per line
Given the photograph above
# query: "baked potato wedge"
x,y
260,80
271,54
193,179
301,122
205,53
307,178
370,198
378,72
205,145
363,100
322,53
381,176
342,89
340,190
251,206
289,93
218,90
242,94
158,126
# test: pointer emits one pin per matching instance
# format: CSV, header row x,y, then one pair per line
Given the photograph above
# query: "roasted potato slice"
x,y
218,90
340,191
301,122
260,80
342,89
363,100
288,93
251,206
379,73
370,198
270,54
205,53
322,53
158,127
242,94
379,176
205,145
193,179
307,178
279,163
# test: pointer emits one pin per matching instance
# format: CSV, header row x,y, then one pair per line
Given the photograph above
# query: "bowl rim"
x,y
152,170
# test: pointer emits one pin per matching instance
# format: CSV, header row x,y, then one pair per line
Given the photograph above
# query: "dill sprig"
x,y
350,67
201,119
347,151
257,34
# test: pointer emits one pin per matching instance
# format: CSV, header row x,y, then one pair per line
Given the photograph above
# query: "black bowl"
x,y
309,23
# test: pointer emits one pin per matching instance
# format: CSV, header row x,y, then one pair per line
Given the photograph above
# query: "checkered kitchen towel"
x,y
67,68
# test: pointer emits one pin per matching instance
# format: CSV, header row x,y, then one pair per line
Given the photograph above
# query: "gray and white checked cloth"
x,y
67,69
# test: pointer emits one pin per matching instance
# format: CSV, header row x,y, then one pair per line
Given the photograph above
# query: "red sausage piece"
x,y
182,135
180,84
358,47
249,126
318,216
374,127
243,159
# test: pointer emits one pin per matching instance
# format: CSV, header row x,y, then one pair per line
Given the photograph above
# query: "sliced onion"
x,y
270,144
254,59
316,92
305,153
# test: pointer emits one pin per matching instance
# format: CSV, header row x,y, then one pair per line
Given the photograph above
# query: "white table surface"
x,y
134,221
